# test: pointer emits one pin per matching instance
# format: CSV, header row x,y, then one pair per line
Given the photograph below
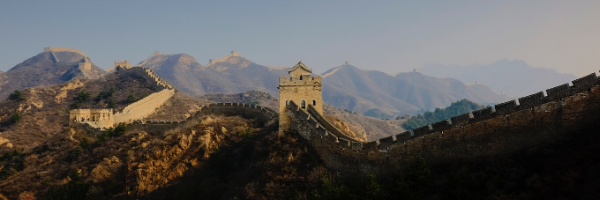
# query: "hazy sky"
x,y
390,36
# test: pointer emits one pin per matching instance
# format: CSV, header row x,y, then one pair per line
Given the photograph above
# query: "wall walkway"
x,y
504,128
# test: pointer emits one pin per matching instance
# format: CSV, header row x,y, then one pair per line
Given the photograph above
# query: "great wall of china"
x,y
105,118
537,119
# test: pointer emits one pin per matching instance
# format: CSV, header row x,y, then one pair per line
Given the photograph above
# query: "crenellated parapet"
x,y
157,82
503,128
98,118
134,111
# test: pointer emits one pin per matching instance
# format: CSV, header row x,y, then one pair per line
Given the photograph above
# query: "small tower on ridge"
x,y
301,88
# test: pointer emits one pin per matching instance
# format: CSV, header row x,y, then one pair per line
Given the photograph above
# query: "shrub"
x,y
131,98
102,95
74,153
77,188
111,91
111,103
144,95
5,173
120,130
10,155
85,143
17,95
16,118
83,96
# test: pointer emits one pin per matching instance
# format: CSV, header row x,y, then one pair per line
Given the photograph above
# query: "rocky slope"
x,y
515,78
41,70
45,110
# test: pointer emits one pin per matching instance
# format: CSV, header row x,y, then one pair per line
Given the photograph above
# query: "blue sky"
x,y
390,36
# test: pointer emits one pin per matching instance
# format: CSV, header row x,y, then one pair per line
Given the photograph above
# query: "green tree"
x,y
85,143
17,95
131,98
111,103
77,188
455,109
15,118
83,96
74,153
111,91
102,95
373,190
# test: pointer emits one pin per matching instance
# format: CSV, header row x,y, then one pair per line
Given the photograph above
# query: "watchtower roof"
x,y
300,66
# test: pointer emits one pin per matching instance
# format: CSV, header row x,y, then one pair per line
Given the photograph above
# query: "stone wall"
x,y
63,49
503,128
157,82
144,107
98,118
263,115
223,59
135,111
297,89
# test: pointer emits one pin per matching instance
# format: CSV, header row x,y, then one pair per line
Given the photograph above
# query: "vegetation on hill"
x,y
456,108
17,95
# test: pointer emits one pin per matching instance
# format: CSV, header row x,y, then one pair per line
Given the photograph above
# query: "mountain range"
x,y
345,87
515,78
44,69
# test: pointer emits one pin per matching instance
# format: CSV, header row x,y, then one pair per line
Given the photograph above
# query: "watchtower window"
x,y
314,103
300,77
303,104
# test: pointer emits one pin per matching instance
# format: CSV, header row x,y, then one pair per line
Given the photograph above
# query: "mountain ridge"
x,y
528,80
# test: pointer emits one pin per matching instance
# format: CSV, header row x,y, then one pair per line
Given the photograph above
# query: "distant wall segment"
x,y
135,111
63,49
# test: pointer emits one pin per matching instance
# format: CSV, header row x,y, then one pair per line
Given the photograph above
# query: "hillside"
x,y
43,69
524,79
229,157
46,109
348,87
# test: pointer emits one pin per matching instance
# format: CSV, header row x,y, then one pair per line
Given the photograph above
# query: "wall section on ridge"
x,y
509,128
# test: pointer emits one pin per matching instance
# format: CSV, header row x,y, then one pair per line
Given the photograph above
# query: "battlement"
x,y
148,74
98,118
304,80
122,65
303,88
63,49
501,128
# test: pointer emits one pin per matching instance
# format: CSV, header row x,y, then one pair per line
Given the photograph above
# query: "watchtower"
x,y
122,65
302,88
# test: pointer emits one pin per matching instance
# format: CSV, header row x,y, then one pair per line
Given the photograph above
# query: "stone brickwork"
x,y
122,65
144,107
504,128
299,87
135,111
156,82
97,118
